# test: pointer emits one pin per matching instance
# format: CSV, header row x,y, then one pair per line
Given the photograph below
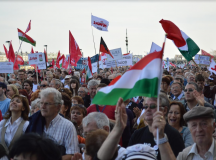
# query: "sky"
x,y
52,20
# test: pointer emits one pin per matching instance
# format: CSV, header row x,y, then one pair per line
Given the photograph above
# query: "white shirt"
x,y
63,80
208,155
63,132
11,129
179,97
34,87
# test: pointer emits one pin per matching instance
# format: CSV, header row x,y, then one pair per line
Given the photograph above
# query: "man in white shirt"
x,y
201,124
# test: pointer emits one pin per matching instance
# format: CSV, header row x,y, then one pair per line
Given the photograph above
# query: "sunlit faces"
x,y
10,91
176,89
16,105
76,116
201,130
174,115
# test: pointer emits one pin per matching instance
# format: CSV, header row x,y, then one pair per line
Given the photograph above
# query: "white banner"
x,y
94,66
6,67
118,63
99,23
117,54
212,67
38,59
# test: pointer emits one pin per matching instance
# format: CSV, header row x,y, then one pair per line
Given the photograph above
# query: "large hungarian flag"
x,y
141,80
11,54
75,53
89,69
24,37
104,48
185,44
6,52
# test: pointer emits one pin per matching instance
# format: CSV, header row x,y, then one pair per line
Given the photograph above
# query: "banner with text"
x,y
117,54
6,67
38,59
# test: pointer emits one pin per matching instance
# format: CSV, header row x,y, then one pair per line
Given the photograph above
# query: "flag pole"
x,y
36,73
159,84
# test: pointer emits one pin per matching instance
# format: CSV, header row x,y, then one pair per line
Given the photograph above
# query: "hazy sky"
x,y
51,22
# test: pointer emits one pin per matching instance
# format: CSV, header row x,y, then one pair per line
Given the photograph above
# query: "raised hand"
x,y
158,122
199,97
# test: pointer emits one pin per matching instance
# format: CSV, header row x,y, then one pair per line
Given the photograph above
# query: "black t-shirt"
x,y
144,136
132,105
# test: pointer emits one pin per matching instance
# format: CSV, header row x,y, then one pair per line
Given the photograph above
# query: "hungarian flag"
x,y
52,64
65,62
204,53
29,27
61,60
104,48
45,55
24,37
89,69
6,52
75,53
143,79
11,54
172,64
185,44
57,59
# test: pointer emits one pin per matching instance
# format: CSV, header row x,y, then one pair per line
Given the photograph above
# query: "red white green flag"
x,y
24,37
141,80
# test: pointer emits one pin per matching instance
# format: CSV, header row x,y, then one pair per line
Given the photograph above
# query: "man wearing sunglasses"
x,y
193,97
145,135
44,85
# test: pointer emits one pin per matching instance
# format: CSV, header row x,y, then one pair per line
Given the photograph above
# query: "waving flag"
x,y
99,23
58,59
74,50
141,80
65,62
104,48
24,37
32,51
6,52
11,54
29,27
204,53
185,44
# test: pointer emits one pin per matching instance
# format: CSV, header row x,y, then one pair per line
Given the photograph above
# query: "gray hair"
x,y
189,75
57,95
35,103
11,75
11,80
163,99
100,118
57,82
85,89
18,86
93,82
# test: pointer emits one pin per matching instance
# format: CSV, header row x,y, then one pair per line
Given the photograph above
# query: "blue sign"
x,y
81,64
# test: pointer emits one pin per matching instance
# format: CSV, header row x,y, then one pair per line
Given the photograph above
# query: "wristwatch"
x,y
162,140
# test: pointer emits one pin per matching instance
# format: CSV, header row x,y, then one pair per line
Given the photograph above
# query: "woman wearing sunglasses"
x,y
15,121
175,119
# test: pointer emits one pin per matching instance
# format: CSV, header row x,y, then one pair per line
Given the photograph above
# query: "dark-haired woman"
x,y
74,86
175,119
15,121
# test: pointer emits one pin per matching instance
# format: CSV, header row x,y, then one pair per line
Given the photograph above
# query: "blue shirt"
x,y
4,105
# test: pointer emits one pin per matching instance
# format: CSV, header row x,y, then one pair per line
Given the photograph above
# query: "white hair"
x,y
93,82
85,89
100,118
35,103
57,97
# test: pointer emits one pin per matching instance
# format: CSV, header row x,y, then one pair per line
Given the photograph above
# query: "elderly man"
x,y
176,90
180,72
92,87
145,135
190,77
201,124
193,97
44,85
50,124
55,83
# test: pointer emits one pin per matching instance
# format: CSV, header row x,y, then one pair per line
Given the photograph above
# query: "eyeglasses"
x,y
47,104
175,87
189,89
152,106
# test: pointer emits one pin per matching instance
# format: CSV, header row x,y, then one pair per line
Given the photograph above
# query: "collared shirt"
x,y
11,129
208,155
179,97
63,132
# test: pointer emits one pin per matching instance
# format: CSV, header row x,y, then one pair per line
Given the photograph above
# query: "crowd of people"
x,y
50,116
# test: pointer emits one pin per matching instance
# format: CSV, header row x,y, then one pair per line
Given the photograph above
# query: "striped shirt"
x,y
63,132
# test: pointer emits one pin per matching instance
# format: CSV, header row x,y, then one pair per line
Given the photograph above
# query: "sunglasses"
x,y
43,85
189,89
152,106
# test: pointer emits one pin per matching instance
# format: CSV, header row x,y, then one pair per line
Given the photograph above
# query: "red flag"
x,y
19,60
6,52
32,51
45,55
11,54
58,59
104,48
173,32
204,53
74,50
83,71
65,62
53,63
89,64
29,27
